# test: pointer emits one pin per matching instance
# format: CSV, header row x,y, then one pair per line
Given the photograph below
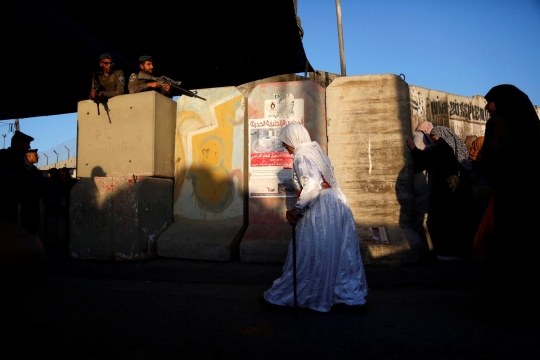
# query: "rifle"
x,y
172,83
97,99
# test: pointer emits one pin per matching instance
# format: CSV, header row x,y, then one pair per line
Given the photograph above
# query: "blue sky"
x,y
459,47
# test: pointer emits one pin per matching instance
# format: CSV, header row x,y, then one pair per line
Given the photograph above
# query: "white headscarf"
x,y
297,136
294,135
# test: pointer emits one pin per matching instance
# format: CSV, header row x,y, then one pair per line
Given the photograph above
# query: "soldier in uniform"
x,y
12,171
111,82
136,85
30,203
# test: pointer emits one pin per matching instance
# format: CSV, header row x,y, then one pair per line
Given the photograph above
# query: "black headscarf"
x,y
517,111
457,145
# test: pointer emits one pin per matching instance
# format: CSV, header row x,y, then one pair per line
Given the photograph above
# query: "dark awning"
x,y
51,47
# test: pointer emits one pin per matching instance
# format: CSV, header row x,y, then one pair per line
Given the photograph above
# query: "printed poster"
x,y
270,165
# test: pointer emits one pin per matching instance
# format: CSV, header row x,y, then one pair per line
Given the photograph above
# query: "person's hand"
x,y
92,94
153,85
166,87
293,216
411,144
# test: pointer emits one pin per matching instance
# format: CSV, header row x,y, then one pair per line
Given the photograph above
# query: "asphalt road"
x,y
182,309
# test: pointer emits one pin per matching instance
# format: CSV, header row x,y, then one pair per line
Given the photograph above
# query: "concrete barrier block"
x,y
202,240
136,137
369,120
270,107
118,218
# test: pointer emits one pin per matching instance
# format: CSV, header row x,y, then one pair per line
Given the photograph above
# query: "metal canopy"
x,y
51,47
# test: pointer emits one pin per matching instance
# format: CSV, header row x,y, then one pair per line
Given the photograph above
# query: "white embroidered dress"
x,y
329,266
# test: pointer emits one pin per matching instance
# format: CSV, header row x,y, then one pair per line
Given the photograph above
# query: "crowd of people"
x,y
28,193
324,269
498,233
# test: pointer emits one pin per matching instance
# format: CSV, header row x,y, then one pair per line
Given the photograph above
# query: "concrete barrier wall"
x,y
118,218
464,115
209,177
136,138
369,120
209,156
270,107
123,201
222,204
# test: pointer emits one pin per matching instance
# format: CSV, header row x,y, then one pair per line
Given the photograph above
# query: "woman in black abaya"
x,y
511,154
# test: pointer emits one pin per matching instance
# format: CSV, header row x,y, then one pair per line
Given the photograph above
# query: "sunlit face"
x,y
491,108
147,67
32,157
290,149
106,65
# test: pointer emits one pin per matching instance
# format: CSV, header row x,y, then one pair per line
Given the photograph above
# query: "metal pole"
x,y
56,156
340,37
47,159
4,135
67,150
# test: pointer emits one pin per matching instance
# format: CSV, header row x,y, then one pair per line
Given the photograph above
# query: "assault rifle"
x,y
97,98
172,83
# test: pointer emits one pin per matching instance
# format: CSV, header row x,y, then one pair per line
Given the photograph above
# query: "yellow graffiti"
x,y
212,153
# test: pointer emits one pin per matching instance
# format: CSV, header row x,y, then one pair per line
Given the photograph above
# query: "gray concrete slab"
x,y
118,218
201,240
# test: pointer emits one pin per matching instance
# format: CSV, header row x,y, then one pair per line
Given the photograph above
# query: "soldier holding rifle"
x,y
139,82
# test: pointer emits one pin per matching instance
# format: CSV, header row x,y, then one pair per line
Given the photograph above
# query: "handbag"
x,y
453,180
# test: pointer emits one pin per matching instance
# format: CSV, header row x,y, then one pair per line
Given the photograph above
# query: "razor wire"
x,y
60,152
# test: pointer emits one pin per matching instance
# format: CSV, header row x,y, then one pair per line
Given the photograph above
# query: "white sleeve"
x,y
310,180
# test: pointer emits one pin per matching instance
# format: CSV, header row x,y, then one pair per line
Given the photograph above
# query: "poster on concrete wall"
x,y
270,165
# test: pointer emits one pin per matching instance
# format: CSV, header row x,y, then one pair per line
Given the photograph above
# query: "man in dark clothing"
x,y
30,193
137,85
111,82
12,171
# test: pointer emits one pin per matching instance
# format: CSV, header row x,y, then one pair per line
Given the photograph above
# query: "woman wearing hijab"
x,y
329,267
452,217
510,157
422,175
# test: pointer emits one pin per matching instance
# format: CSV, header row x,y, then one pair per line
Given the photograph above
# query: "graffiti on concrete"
x,y
209,177
468,111
464,115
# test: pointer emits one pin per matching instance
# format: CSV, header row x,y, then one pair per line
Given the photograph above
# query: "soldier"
x,y
12,167
139,85
111,82
30,204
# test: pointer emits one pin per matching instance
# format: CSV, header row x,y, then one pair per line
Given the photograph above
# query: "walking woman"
x,y
330,271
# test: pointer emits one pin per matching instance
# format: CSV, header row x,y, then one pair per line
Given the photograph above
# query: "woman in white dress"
x,y
329,267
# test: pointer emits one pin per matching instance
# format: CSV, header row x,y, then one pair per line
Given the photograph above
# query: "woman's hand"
x,y
411,144
293,216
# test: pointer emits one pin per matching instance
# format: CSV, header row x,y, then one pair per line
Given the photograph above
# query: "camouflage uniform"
x,y
112,85
137,85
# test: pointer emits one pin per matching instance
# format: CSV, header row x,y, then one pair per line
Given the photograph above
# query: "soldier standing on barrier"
x,y
137,85
107,83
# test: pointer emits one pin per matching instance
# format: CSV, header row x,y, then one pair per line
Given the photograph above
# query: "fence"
x,y
58,153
